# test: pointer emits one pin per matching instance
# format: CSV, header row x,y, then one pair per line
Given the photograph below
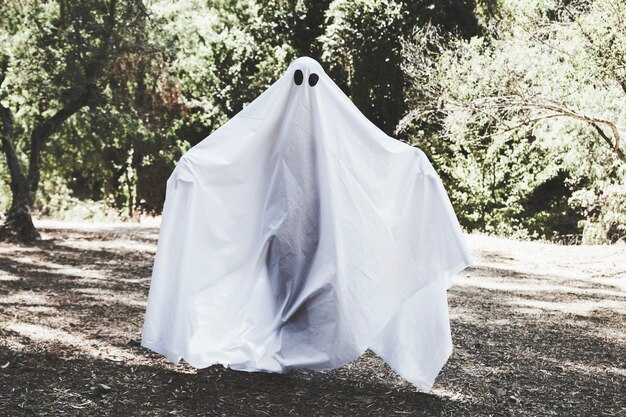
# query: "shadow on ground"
x,y
71,311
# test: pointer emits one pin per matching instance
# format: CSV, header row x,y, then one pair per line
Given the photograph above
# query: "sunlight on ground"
x,y
453,395
91,347
112,245
531,285
9,277
570,262
539,277
26,299
583,307
144,222
83,295
109,296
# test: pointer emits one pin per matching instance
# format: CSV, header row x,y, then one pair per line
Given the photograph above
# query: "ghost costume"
x,y
299,235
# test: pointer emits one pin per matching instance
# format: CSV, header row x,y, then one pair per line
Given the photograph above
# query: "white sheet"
x,y
298,235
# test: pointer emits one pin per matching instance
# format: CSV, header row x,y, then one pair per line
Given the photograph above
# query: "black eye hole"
x,y
298,77
313,79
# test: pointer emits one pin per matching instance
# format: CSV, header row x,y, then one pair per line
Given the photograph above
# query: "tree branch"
x,y
520,102
593,121
42,132
84,95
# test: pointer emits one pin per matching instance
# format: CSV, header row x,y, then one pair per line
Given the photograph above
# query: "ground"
x,y
538,330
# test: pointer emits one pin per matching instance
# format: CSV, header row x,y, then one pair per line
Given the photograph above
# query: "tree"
x,y
57,63
297,22
529,118
100,97
362,44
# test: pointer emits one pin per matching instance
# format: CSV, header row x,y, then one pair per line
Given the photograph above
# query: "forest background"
x,y
520,104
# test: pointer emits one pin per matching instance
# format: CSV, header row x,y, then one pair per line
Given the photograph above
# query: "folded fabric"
x,y
298,235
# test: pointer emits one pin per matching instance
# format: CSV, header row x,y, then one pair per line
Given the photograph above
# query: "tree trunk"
x,y
18,225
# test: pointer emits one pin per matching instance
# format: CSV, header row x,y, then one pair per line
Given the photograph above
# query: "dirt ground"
x,y
539,330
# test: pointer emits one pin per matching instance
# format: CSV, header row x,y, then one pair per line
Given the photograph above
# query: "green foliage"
x,y
66,58
362,45
514,101
60,50
526,117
